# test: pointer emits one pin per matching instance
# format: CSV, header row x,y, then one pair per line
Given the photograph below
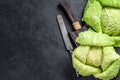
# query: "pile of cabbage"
x,y
96,54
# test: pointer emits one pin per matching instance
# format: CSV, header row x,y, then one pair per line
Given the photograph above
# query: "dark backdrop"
x,y
31,46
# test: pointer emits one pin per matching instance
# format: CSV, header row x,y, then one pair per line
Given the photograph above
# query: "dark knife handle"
x,y
67,9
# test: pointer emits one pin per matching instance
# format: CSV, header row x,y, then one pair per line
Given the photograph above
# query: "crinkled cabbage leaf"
x,y
110,3
92,15
82,69
94,57
94,39
117,40
111,71
109,56
110,21
81,53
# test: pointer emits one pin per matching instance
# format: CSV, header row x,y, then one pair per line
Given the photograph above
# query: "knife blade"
x,y
65,35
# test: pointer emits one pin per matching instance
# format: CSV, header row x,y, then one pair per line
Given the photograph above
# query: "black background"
x,y
31,45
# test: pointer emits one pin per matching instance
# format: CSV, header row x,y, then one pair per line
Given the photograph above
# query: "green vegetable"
x,y
82,69
109,61
110,3
92,15
110,21
94,39
111,72
81,53
109,56
94,57
117,40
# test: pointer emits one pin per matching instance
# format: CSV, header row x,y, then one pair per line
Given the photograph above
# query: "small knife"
x,y
65,36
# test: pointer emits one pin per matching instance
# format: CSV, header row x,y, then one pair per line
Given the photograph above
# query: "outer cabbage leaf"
x,y
111,72
92,15
82,69
117,40
110,3
81,53
94,57
94,39
110,21
109,56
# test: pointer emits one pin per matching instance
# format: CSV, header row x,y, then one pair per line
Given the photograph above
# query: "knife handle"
x,y
67,8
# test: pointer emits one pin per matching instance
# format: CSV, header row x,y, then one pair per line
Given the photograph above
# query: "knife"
x,y
76,24
65,36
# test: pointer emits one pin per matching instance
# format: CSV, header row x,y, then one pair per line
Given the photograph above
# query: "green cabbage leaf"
x,y
110,3
109,56
111,71
117,41
92,15
81,53
110,21
94,57
83,69
91,38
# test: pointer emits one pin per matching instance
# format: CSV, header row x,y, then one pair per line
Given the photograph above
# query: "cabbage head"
x,y
101,62
86,60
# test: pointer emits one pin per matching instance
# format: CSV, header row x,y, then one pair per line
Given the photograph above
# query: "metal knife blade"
x,y
64,32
